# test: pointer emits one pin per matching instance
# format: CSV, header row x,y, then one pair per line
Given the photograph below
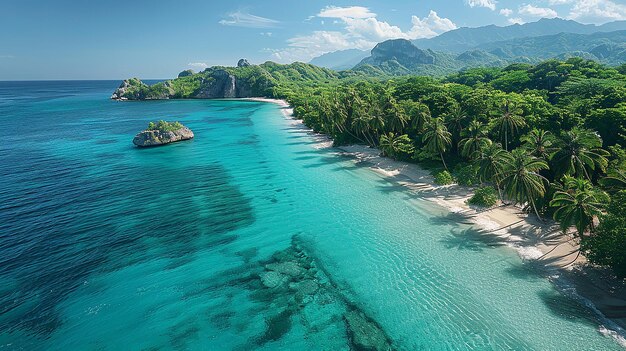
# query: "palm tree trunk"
x,y
506,141
499,191
444,161
532,203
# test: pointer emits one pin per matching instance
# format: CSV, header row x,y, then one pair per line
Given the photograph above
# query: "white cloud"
x,y
244,19
362,30
490,4
372,29
560,2
516,20
533,11
597,11
430,26
6,56
198,65
346,12
266,34
303,48
506,12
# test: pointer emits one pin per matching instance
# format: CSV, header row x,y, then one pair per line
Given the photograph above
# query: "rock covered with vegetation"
x,y
162,133
243,81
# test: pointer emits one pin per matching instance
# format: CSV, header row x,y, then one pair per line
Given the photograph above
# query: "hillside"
x,y
245,80
608,47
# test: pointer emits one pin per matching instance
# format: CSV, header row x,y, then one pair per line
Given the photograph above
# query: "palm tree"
x,y
475,139
540,143
521,179
437,139
395,118
395,145
455,121
579,154
361,125
509,121
420,116
492,161
377,120
577,204
615,180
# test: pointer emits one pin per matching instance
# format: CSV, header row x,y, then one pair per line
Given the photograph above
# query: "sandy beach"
x,y
540,243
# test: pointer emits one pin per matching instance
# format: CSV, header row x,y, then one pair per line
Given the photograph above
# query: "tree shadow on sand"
x,y
472,239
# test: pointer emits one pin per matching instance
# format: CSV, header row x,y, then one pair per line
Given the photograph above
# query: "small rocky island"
x,y
162,133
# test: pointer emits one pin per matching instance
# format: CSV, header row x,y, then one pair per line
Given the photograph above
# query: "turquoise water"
x,y
107,247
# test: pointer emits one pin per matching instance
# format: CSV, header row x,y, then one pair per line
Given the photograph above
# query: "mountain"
x,y
609,48
464,39
400,56
340,60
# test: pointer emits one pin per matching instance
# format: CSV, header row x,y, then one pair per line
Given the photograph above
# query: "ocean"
x,y
249,237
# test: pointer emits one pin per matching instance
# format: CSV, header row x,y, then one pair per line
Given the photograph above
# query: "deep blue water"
x,y
106,246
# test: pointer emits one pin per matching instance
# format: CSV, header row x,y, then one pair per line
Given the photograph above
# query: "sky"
x,y
156,39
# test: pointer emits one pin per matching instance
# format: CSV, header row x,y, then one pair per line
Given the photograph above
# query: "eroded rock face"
x,y
243,63
221,84
148,138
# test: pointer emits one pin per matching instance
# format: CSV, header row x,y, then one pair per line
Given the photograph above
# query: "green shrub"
x,y
443,178
606,245
164,126
467,175
484,197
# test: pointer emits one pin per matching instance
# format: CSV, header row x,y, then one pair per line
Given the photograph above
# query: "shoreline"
x,y
555,253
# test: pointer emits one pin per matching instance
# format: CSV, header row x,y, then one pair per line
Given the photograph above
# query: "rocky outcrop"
x,y
220,84
243,63
186,73
156,137
130,89
402,51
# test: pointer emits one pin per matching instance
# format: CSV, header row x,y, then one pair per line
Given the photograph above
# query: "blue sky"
x,y
62,39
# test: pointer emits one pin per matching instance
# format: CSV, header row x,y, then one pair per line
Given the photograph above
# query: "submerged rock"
x,y
276,326
289,268
365,334
273,279
162,133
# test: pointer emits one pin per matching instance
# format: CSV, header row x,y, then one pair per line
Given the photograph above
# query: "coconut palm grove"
x,y
549,136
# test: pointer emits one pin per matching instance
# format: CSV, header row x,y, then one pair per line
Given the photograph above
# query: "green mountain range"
x,y
464,39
